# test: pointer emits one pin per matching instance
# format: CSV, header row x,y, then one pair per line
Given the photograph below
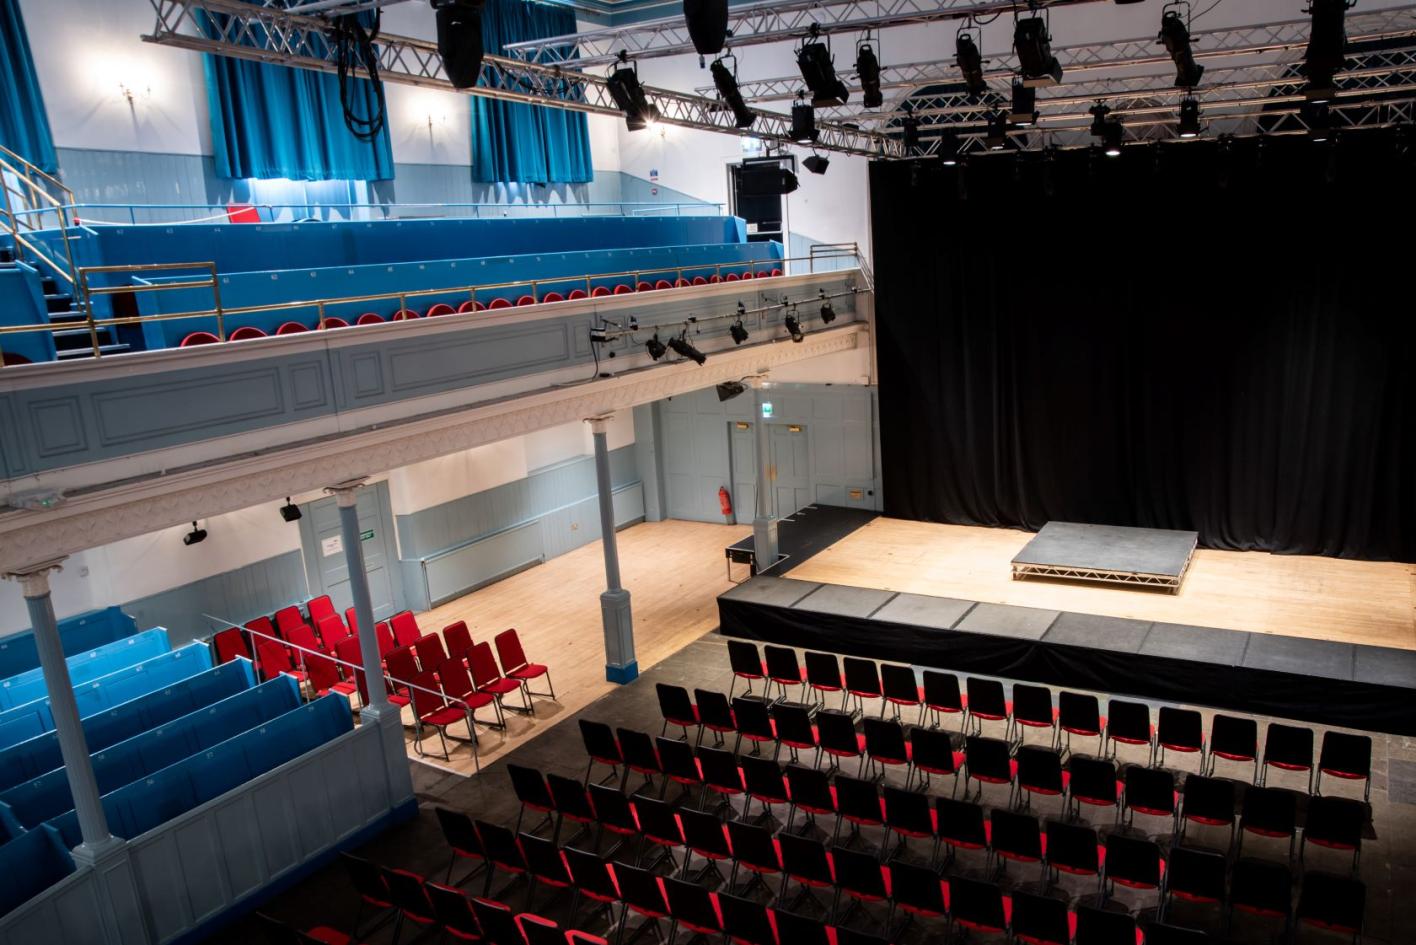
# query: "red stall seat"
x,y
526,300
198,338
369,318
470,306
335,322
291,328
441,309
405,314
552,297
500,303
245,333
575,294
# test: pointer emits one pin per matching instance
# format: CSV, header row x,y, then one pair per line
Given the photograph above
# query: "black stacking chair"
x,y
503,852
658,825
1288,748
960,825
715,714
863,682
806,863
369,884
1150,791
811,794
858,804
721,775
1073,849
1261,888
593,879
932,752
530,788
823,676
754,851
1234,739
942,696
676,708
987,761
1014,837
859,876
1269,812
1103,927
794,729
497,923
1181,730
1128,723
1039,772
538,930
1040,920
745,921
1092,781
572,803
410,900
1208,801
461,835
918,891
1131,862
1348,757
746,663
1196,876
839,738
885,746
764,782
847,936
453,911
977,906
639,756
704,835
782,667
987,702
601,746
612,812
754,723
1335,823
679,765
908,815
1161,933
1032,708
692,908
643,893
544,863
902,690
1334,903
799,930
1079,714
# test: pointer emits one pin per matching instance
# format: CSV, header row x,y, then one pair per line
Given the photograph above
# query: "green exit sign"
x,y
367,535
767,409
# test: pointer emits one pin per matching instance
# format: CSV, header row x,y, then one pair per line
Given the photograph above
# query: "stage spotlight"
x,y
868,71
949,147
1098,125
1189,126
1111,138
997,137
684,349
727,85
828,312
1319,121
460,40
970,62
707,22
1033,45
629,96
818,71
194,537
1024,111
290,511
909,130
803,122
1176,37
655,347
817,164
730,389
738,331
794,329
1325,56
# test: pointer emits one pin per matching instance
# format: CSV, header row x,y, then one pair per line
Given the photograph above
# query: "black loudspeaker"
x,y
765,180
707,25
460,40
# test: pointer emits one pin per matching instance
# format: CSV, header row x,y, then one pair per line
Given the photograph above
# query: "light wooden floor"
x,y
1325,598
674,572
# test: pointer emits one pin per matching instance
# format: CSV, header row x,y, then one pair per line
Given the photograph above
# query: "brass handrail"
x,y
94,324
25,171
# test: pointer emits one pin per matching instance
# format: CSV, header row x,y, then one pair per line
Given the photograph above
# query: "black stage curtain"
x,y
1216,337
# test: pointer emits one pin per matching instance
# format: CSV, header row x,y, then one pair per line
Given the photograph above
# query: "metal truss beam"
x,y
270,34
758,24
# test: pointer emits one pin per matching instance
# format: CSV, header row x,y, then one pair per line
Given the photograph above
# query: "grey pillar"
x,y
764,525
615,614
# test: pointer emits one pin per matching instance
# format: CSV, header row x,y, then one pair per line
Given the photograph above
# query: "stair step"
x,y
69,316
59,302
87,352
51,286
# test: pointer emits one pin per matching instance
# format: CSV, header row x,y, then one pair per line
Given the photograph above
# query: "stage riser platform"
x,y
1339,684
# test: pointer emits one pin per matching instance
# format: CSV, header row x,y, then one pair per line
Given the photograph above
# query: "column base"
x,y
765,550
389,720
622,674
617,619
120,910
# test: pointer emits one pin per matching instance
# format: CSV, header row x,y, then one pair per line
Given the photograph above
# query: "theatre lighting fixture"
x,y
867,67
683,349
909,130
194,537
707,22
730,389
290,511
949,147
1033,44
1189,126
828,312
1175,34
1319,120
460,40
727,84
1111,136
818,71
817,164
1024,111
997,136
970,62
794,329
738,331
1325,56
655,347
803,121
1098,125
629,96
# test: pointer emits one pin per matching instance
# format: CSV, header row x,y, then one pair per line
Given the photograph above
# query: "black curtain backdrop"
x,y
1193,336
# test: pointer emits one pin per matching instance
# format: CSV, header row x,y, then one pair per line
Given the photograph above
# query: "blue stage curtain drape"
x,y
527,144
272,121
24,124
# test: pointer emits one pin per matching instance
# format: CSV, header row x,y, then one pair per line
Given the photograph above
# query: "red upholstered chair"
x,y
663,284
275,661
325,676
384,635
500,303
699,280
457,686
261,629
287,619
333,322
516,666
246,333
430,708
731,277
198,338
486,678
470,306
714,279
405,314
430,652
229,644
369,318
681,283
552,297
440,309
576,294
402,670
623,289
747,274
405,628
776,272
347,651
319,608
331,630
291,328
242,213
526,300
458,639
600,291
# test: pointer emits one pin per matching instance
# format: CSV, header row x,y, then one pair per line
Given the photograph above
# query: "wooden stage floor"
x,y
1322,598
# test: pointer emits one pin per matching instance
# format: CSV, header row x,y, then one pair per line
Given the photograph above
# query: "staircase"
x,y
71,333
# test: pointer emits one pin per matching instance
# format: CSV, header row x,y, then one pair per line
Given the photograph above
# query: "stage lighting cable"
x,y
354,49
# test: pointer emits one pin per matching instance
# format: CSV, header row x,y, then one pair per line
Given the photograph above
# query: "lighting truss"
x,y
760,23
272,34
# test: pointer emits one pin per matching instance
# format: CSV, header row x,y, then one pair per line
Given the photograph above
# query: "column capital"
x,y
34,579
601,423
759,381
346,493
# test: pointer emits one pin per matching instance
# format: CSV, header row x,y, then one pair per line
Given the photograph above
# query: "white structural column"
x,y
764,525
379,711
621,666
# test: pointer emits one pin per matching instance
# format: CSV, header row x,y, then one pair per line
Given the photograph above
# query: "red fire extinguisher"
x,y
725,500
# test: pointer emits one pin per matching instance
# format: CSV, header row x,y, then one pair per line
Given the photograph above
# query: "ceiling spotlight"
x,y
949,147
1033,44
707,22
1175,34
1189,118
909,129
817,164
1098,125
727,85
1319,120
655,347
970,63
460,40
629,96
739,332
794,329
730,389
1024,111
867,67
803,122
290,511
997,137
194,537
828,312
684,349
818,71
1111,138
1327,47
